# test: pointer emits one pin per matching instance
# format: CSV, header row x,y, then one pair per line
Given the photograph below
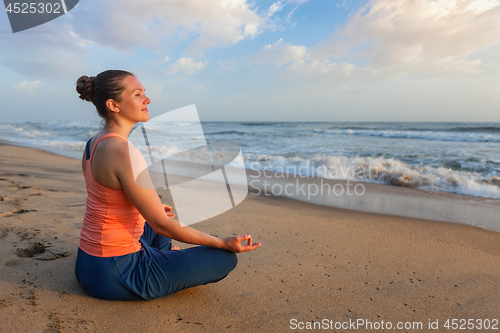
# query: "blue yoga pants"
x,y
154,271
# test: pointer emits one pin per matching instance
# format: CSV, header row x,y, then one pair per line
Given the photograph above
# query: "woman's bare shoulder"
x,y
118,151
112,147
109,160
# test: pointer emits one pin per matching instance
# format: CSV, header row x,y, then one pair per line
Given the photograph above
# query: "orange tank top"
x,y
112,225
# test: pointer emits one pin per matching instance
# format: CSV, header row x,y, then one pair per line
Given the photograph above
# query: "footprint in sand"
x,y
31,251
17,211
41,251
38,250
53,252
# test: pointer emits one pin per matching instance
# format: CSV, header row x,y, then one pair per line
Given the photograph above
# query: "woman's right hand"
x,y
168,209
233,243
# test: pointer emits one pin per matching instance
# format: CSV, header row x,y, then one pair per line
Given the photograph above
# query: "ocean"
x,y
456,157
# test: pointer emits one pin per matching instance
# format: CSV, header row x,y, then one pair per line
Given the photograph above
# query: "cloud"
x,y
44,52
343,5
79,41
279,54
127,24
321,68
419,36
296,57
275,7
297,3
27,86
186,66
59,49
398,38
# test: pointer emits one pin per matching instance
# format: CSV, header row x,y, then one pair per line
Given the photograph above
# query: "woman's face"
x,y
134,102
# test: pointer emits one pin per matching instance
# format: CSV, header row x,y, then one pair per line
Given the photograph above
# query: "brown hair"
x,y
98,89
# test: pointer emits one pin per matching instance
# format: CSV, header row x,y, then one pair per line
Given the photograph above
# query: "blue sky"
x,y
285,60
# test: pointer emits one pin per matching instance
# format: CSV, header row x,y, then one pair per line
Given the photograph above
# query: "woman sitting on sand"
x,y
125,250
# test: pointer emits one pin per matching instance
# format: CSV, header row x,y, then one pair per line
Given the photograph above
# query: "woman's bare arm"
x,y
147,202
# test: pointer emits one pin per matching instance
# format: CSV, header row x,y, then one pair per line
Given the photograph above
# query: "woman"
x,y
125,250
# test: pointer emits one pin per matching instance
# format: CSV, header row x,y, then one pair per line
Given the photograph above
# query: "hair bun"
x,y
84,87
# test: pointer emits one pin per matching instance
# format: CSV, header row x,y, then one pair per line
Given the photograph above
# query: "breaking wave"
x,y
381,170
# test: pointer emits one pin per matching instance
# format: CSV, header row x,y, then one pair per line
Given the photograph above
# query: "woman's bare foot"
x,y
175,248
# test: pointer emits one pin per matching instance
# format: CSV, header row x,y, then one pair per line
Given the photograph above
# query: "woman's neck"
x,y
123,128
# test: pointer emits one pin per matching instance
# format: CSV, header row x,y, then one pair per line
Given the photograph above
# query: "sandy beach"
x,y
316,263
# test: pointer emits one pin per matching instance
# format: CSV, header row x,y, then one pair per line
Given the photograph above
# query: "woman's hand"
x,y
234,244
168,209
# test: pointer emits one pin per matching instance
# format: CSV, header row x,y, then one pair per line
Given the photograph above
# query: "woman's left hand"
x,y
233,244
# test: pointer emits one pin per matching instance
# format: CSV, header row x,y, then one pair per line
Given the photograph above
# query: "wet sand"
x,y
381,199
315,262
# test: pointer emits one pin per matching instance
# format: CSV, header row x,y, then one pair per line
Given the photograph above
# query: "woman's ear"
x,y
112,105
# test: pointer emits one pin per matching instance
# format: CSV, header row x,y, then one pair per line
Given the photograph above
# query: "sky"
x,y
284,60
